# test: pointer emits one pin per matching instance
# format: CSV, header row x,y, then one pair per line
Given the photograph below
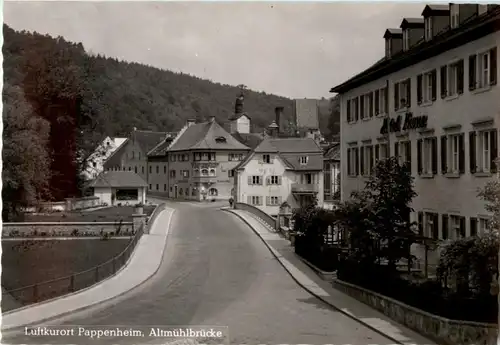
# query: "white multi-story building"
x,y
434,102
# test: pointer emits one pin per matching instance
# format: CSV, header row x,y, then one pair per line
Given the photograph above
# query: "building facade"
x,y
281,170
433,101
158,168
201,162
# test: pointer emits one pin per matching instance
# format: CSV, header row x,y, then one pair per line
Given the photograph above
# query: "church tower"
x,y
239,122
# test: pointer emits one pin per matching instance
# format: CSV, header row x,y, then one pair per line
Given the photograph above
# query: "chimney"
x,y
273,129
413,32
393,42
278,111
190,122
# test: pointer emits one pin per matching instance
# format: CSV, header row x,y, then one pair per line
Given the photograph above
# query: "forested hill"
x,y
128,95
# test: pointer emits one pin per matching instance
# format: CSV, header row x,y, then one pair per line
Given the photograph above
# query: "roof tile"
x,y
118,179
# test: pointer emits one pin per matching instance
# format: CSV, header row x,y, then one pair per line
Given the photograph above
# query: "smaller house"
x,y
280,170
125,187
331,172
307,118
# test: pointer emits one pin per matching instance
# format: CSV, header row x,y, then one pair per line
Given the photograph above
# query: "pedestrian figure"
x,y
231,201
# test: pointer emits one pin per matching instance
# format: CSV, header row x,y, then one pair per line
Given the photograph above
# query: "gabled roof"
x,y
237,116
252,140
119,141
118,179
393,33
412,23
435,9
148,139
114,158
202,136
161,148
306,113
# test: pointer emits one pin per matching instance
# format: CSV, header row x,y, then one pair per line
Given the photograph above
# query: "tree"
x,y
378,217
26,162
491,195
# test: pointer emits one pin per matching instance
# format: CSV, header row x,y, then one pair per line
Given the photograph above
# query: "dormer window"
x,y
428,28
454,16
303,160
266,159
406,40
220,140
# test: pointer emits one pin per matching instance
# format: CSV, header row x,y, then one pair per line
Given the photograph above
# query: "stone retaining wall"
x,y
40,229
439,329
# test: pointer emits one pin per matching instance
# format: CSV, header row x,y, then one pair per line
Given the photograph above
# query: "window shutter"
x,y
249,200
349,172
408,154
362,107
473,226
396,96
371,103
460,77
435,226
396,150
419,156
419,89
434,156
462,227
362,160
387,150
420,223
444,81
377,102
444,156
461,154
279,180
472,71
444,227
356,109
493,66
472,151
386,109
377,154
261,180
370,151
268,180
434,85
408,92
494,150
268,200
348,112
250,180
356,160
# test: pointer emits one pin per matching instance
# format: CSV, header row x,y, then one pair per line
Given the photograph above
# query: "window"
x,y
172,158
303,160
139,154
428,28
307,178
454,17
402,94
273,200
274,180
457,227
486,142
135,170
212,172
255,180
427,156
164,187
366,106
352,161
266,159
452,79
483,225
150,169
381,152
143,170
204,156
406,40
164,169
431,228
213,192
230,173
185,173
157,169
366,160
133,154
157,187
220,140
483,69
352,110
172,173
403,151
129,168
453,153
235,157
180,191
150,186
171,189
255,200
426,87
204,172
473,227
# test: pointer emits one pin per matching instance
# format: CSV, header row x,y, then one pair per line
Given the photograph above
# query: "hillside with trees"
x,y
80,98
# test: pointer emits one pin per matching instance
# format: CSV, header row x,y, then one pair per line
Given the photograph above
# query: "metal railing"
x,y
58,287
257,212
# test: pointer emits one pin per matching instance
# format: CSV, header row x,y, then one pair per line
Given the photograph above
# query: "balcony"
x,y
204,179
303,188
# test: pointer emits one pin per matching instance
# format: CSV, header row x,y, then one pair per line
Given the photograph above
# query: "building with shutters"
x,y
433,101
280,170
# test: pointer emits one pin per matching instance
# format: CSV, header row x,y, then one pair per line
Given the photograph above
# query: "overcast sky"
x,y
293,49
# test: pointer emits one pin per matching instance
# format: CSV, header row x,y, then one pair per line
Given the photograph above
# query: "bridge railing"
x,y
271,221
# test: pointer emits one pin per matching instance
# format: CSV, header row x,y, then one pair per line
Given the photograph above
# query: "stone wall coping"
x,y
63,223
84,198
416,310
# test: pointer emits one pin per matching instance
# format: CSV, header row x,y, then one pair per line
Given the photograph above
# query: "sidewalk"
x,y
143,264
323,290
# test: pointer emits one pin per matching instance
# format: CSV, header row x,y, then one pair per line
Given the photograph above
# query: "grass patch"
x,y
26,262
109,214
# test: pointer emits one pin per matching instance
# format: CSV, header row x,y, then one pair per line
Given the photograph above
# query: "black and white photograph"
x,y
250,173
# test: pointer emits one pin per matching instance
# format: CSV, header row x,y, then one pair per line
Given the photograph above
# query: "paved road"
x,y
217,272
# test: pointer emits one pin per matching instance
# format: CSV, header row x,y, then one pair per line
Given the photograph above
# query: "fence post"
x,y
72,283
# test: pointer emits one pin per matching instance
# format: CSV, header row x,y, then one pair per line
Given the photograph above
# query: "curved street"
x,y
217,272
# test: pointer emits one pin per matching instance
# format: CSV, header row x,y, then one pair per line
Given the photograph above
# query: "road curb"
x,y
277,256
15,329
